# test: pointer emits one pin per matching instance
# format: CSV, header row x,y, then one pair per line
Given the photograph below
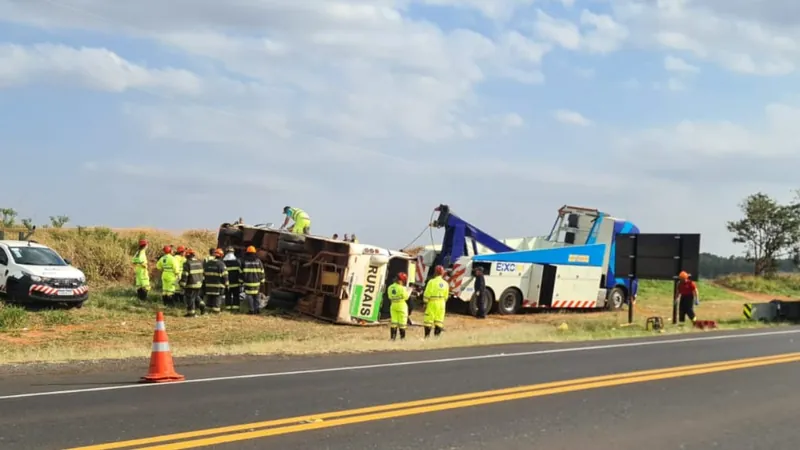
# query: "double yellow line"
x,y
235,433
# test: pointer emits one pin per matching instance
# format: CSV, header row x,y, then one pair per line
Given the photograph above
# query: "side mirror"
x,y
68,261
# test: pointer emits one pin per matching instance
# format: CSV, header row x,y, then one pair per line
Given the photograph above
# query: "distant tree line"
x,y
713,266
10,219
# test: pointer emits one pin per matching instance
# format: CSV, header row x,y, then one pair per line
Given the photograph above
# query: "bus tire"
x,y
615,299
510,301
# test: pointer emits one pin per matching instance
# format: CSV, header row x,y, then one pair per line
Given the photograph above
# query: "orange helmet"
x,y
167,249
189,252
219,253
142,242
439,270
181,249
402,276
683,275
251,249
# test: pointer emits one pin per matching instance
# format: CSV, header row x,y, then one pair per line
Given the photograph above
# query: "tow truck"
x,y
570,268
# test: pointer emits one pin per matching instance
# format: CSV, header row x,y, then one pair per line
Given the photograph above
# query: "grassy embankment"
x,y
114,324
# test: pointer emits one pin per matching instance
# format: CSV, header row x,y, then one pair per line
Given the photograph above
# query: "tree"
x,y
59,221
9,217
28,224
769,230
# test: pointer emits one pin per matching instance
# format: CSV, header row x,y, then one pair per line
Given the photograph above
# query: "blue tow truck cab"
x,y
571,268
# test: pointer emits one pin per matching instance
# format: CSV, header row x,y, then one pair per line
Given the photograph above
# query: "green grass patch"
x,y
664,289
782,285
13,317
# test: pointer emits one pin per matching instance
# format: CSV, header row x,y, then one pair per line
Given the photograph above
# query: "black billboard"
x,y
653,256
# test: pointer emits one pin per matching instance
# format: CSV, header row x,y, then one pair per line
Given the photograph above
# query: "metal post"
x,y
632,276
674,303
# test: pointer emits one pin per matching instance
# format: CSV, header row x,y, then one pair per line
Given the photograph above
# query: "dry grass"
x,y
104,254
115,325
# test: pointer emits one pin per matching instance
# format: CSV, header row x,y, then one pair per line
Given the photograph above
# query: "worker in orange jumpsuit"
x,y
687,298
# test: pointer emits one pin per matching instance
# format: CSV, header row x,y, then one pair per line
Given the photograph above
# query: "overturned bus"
x,y
332,280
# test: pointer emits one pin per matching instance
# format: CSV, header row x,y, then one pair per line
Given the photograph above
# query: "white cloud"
x,y
674,64
571,117
91,68
728,34
595,33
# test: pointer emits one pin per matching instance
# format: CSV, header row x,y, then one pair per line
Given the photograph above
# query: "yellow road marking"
x,y
381,412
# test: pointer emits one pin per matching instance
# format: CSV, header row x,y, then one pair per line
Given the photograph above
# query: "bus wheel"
x,y
616,298
510,302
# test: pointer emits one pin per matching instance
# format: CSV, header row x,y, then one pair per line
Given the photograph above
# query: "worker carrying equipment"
x,y
216,280
252,279
234,266
302,222
435,297
140,270
167,265
192,283
179,260
687,297
398,295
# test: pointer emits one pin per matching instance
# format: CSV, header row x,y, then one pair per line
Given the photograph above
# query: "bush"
x,y
104,255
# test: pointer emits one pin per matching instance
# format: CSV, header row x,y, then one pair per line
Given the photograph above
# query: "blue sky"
x,y
369,113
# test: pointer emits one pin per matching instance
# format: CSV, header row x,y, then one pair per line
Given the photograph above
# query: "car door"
x,y
4,270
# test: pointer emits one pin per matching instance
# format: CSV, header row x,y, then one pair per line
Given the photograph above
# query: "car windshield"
x,y
36,256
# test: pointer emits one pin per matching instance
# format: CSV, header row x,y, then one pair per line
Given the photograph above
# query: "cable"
x,y
427,227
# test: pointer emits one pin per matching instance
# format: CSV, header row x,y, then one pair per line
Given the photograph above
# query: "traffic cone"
x,y
161,368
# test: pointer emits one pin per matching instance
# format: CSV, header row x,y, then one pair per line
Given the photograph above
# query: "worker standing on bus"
x,y
140,271
302,222
435,297
166,264
687,297
398,295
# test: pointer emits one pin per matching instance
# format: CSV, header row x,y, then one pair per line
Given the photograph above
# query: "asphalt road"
x,y
731,405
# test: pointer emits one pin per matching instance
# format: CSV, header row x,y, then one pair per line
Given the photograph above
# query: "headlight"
x,y
82,279
37,279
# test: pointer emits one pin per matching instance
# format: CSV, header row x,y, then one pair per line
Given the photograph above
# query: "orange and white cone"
x,y
161,367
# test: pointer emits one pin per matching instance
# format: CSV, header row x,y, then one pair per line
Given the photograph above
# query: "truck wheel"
x,y
615,299
488,303
510,302
292,247
291,237
75,305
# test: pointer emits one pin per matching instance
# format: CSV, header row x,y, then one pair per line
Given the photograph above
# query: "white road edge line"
x,y
410,363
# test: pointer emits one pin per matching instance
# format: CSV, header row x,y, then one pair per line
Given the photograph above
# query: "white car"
x,y
35,273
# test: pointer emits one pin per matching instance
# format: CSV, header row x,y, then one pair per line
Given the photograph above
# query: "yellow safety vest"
x,y
436,290
397,293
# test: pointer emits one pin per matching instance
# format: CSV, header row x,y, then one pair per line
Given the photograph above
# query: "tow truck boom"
x,y
456,232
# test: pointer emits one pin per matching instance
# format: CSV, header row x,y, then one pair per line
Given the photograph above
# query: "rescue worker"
x,y
252,279
192,282
480,293
180,258
302,222
435,298
687,298
140,270
215,277
166,264
234,267
398,295
353,239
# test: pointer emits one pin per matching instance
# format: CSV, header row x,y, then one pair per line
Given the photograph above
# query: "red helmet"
x,y
167,249
219,253
189,252
439,270
402,276
142,242
181,249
